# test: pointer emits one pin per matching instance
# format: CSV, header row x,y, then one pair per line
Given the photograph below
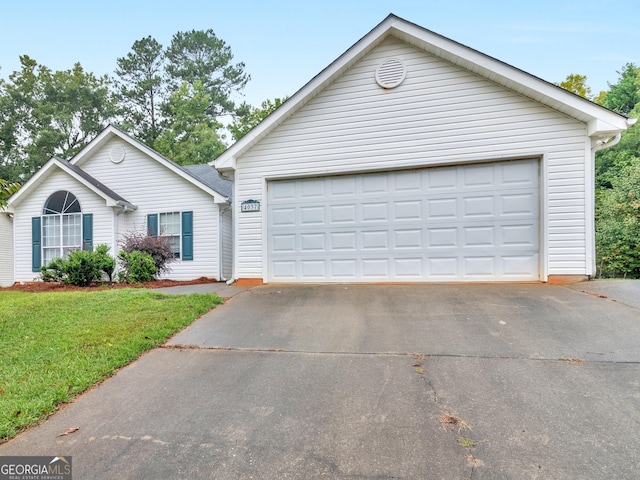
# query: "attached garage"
x,y
459,223
412,158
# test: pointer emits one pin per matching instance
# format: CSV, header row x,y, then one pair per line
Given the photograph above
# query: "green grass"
x,y
54,346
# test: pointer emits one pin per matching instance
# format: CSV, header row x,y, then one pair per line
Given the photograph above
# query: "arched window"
x,y
61,226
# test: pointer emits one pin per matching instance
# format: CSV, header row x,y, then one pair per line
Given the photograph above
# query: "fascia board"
x,y
507,75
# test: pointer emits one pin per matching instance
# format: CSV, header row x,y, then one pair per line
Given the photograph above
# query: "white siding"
x,y
227,244
441,114
6,250
32,205
153,188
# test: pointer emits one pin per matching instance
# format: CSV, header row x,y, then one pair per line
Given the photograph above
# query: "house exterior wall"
x,y
441,114
6,250
226,223
32,206
153,188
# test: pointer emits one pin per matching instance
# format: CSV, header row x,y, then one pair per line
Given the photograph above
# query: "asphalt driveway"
x,y
355,381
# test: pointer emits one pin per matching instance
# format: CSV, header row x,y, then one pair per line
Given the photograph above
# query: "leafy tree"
x,y
200,56
49,114
6,190
253,116
577,84
191,135
618,224
611,161
624,95
141,90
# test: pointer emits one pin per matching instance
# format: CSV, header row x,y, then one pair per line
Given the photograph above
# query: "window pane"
x,y
61,202
175,245
72,230
51,231
170,224
49,254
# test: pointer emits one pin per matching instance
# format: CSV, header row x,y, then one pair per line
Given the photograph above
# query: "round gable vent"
x,y
390,73
117,154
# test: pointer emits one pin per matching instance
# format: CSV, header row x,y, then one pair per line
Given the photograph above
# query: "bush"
x,y
105,262
81,269
138,267
54,272
158,247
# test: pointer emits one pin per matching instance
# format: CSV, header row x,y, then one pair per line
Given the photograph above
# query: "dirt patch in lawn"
x,y
58,286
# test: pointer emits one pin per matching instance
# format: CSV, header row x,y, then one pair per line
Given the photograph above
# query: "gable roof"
x,y
112,131
601,122
112,199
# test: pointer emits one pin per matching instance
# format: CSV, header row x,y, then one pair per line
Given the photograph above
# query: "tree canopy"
x,y
46,113
617,179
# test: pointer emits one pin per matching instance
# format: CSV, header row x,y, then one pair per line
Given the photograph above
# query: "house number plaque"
x,y
250,206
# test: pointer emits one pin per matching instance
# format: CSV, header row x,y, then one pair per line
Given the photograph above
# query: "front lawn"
x,y
54,346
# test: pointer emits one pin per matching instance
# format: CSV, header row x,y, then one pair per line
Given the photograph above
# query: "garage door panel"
x,y
342,242
342,213
479,176
463,223
311,189
442,237
478,206
312,215
441,208
519,265
479,236
375,212
518,204
519,235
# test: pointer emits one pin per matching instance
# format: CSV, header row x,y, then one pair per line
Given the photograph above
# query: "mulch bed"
x,y
61,287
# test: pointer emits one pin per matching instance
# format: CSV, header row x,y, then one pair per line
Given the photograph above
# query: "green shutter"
x,y
152,225
36,243
187,235
87,232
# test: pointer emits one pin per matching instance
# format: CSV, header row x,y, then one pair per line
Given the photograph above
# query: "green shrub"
x,y
137,266
54,272
80,269
158,247
105,262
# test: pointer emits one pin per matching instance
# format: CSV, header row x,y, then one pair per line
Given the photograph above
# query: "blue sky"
x,y
285,43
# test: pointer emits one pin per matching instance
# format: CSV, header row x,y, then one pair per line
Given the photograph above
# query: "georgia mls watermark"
x,y
35,468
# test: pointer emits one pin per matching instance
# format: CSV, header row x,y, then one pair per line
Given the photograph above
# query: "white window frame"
x,y
162,233
62,247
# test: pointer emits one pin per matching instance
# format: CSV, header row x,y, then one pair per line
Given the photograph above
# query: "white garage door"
x,y
445,224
